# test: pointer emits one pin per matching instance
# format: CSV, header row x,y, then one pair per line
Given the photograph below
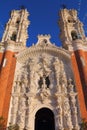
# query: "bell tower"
x,y
71,28
74,40
16,28
13,41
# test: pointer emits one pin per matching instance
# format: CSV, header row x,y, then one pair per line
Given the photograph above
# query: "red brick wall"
x,y
1,57
80,73
6,81
82,68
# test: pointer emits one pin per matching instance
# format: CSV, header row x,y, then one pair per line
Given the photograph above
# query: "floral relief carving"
x,y
43,94
67,113
43,81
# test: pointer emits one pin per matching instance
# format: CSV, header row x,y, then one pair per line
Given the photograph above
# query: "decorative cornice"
x,y
35,50
43,45
13,46
2,47
78,45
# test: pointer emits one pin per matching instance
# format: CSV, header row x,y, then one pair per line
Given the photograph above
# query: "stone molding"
x,y
78,45
2,47
28,95
36,50
10,45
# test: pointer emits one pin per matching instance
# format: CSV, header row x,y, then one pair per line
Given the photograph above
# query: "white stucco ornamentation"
x,y
42,81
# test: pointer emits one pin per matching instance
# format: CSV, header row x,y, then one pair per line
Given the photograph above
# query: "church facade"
x,y
43,86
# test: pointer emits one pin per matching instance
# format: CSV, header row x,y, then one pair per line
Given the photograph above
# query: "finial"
x,y
64,6
22,7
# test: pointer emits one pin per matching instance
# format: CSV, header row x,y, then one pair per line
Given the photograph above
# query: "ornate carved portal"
x,y
42,82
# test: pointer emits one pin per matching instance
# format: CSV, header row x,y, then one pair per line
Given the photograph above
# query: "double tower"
x,y
41,75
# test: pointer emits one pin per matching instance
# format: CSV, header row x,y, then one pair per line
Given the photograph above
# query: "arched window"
x,y
47,81
74,35
44,120
71,20
18,21
41,81
13,37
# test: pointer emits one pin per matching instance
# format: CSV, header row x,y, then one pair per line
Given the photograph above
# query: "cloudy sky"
x,y
43,16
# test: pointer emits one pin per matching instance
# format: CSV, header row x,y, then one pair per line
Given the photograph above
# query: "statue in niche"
x,y
73,104
67,117
25,79
67,120
63,78
44,64
73,99
24,83
59,109
43,88
21,119
34,76
70,85
14,105
66,105
22,110
57,61
64,83
30,98
44,93
22,104
17,85
14,101
57,67
43,60
23,88
59,112
26,99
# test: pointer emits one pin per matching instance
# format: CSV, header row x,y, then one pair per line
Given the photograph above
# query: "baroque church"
x,y
43,87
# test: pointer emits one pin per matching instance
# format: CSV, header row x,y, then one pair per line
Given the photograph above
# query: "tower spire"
x,y
74,40
71,28
16,28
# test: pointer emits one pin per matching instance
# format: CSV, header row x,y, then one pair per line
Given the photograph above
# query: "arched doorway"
x,y
44,120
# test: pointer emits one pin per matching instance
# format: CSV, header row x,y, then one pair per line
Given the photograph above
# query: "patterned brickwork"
x,y
80,78
6,80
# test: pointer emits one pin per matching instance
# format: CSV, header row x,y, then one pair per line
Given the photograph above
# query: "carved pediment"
x,y
43,40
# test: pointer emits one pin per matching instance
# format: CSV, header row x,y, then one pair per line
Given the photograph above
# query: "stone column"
x,y
74,112
57,73
15,99
59,112
21,112
14,109
67,114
